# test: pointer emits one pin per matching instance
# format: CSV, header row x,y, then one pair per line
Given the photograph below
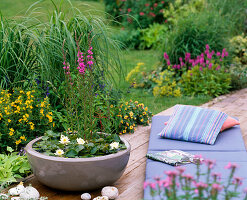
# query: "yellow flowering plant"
x,y
129,114
24,115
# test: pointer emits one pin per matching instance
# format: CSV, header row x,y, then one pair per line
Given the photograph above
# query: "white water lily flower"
x,y
114,145
80,141
64,140
59,152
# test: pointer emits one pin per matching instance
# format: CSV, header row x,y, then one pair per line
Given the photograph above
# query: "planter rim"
x,y
32,152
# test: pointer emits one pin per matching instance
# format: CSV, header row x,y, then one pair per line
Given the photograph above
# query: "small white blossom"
x,y
80,141
59,152
64,140
114,145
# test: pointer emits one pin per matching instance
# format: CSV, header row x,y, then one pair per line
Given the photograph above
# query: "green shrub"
x,y
24,115
153,36
195,31
213,82
137,14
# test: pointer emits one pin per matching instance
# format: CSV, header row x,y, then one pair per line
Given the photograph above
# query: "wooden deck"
x,y
131,183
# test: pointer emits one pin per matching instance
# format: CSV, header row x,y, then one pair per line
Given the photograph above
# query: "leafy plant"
x,y
154,36
24,114
13,167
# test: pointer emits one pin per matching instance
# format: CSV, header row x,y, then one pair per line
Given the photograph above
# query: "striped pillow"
x,y
194,124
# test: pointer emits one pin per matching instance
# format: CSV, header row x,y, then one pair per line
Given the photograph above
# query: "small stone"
x,y
3,196
16,190
30,193
110,192
15,198
101,198
85,196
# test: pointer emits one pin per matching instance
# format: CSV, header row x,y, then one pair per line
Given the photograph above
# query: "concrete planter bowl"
x,y
77,174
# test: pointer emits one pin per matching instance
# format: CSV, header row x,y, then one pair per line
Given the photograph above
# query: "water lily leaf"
x,y
78,148
94,150
71,153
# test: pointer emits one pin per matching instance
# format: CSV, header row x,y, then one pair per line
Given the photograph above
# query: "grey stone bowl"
x,y
77,174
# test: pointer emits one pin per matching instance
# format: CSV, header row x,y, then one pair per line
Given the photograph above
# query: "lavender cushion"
x,y
194,124
228,140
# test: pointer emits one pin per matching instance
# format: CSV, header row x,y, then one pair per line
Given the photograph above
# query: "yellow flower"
x,y
9,120
111,106
127,124
17,142
125,117
124,131
131,127
146,109
131,113
121,121
136,102
144,113
42,111
23,138
126,103
141,120
53,125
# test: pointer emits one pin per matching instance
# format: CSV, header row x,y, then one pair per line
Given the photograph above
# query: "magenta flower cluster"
x,y
89,61
205,59
177,184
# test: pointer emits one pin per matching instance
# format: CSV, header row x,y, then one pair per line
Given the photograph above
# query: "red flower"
x,y
129,9
162,2
147,4
152,14
155,5
151,8
141,13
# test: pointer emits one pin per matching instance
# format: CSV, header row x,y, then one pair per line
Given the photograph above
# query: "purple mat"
x,y
228,140
229,147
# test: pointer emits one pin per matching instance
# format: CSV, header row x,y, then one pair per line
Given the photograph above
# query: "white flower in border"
x,y
64,140
114,145
80,141
59,152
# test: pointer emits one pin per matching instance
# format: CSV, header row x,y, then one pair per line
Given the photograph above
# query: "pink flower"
x,y
168,62
207,46
152,185
180,169
217,68
237,181
141,13
196,191
231,166
201,185
218,54
166,56
145,184
152,14
161,11
216,176
155,5
245,190
129,9
210,66
171,173
210,163
151,8
207,62
147,4
188,177
217,187
162,2
200,68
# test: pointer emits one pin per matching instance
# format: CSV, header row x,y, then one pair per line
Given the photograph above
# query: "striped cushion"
x,y
194,124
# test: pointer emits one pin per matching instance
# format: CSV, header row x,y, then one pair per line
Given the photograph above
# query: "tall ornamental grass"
x,y
33,51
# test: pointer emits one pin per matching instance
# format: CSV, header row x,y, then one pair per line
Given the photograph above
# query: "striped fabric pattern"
x,y
194,124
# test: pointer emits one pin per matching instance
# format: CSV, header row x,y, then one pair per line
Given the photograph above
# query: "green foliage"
x,y
154,36
239,49
24,114
182,9
238,76
68,145
213,82
136,14
195,31
13,167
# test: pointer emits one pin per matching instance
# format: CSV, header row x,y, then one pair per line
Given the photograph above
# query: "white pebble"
x,y
110,192
15,198
30,193
85,196
4,196
101,198
16,190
